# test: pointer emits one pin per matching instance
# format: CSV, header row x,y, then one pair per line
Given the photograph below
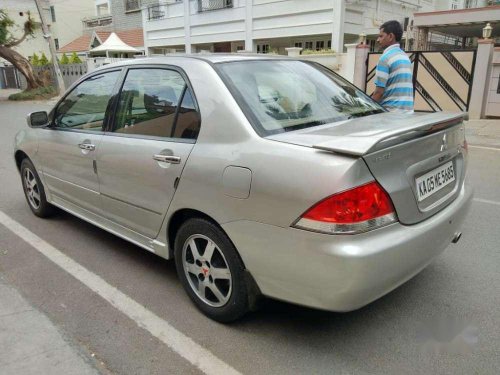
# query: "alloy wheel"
x,y
32,191
207,270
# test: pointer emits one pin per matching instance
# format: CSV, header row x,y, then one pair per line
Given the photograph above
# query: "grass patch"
x,y
36,94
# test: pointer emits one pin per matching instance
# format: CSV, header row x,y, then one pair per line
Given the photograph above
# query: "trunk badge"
x,y
444,144
382,157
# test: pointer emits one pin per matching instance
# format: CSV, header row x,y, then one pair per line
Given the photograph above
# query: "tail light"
x,y
357,210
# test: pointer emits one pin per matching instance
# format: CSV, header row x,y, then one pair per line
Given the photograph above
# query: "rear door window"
x,y
148,102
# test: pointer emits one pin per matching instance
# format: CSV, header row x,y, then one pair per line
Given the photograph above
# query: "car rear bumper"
x,y
343,272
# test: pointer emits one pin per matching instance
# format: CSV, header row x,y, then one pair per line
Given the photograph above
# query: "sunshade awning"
x,y
114,44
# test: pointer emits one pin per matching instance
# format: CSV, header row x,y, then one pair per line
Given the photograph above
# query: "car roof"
x,y
211,58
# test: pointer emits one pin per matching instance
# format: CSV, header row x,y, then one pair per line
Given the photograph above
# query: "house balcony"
x,y
132,6
208,5
99,21
156,12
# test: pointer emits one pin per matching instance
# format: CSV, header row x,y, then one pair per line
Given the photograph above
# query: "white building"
x,y
65,19
268,25
460,4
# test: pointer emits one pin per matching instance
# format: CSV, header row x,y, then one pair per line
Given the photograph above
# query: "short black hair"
x,y
393,27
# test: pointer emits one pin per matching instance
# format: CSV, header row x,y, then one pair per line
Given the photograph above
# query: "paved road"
x,y
444,321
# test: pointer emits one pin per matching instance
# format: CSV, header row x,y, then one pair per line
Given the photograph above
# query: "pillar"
x,y
187,26
482,73
249,42
361,55
338,26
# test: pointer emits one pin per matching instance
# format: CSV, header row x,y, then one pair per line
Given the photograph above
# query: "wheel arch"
x,y
180,217
20,155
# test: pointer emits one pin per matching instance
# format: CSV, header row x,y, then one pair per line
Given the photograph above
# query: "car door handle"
x,y
86,146
167,158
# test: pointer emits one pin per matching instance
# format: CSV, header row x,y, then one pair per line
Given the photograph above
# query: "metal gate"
x,y
442,80
9,77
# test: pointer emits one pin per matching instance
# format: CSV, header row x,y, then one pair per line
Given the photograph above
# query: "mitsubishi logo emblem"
x,y
444,144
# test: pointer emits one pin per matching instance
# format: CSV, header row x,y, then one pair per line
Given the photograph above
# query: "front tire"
x,y
33,190
211,271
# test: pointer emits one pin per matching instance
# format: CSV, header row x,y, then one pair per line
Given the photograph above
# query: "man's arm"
x,y
381,77
378,94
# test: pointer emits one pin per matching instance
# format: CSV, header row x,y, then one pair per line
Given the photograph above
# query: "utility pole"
x,y
52,48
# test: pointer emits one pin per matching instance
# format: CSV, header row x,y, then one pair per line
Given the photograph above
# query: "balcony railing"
x,y
131,5
208,5
156,12
97,21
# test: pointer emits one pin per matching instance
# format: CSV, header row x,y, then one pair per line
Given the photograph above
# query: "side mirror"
x,y
38,119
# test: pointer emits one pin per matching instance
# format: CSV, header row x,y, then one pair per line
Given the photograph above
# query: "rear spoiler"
x,y
362,144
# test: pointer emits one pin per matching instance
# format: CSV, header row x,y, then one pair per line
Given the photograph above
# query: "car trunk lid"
x,y
419,159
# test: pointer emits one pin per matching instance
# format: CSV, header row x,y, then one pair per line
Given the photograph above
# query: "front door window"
x,y
85,107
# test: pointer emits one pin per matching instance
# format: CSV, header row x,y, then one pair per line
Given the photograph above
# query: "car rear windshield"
x,y
279,96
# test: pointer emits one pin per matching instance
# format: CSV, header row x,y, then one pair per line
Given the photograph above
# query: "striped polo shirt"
x,y
395,74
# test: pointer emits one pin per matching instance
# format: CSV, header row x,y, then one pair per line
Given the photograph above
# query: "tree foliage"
x,y
64,59
44,60
8,41
35,60
6,23
75,59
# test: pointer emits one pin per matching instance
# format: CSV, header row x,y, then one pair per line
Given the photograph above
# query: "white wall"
x,y
69,14
272,19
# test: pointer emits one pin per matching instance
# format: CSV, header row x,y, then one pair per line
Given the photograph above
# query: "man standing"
x,y
394,73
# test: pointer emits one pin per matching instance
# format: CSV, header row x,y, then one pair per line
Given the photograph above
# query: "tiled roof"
x,y
133,38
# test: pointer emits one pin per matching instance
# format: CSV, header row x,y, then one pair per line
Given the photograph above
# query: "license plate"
x,y
435,180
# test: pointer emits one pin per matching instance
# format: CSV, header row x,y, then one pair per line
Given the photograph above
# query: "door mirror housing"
x,y
38,119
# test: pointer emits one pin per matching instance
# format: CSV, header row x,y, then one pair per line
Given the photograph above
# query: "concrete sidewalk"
x,y
5,93
30,343
483,132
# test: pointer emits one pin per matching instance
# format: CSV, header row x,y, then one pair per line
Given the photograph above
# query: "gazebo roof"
x,y
114,44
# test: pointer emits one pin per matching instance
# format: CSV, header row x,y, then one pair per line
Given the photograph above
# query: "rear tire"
x,y
211,270
33,190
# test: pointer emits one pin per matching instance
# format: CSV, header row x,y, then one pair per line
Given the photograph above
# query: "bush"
x,y
43,60
35,60
64,59
36,94
325,51
75,59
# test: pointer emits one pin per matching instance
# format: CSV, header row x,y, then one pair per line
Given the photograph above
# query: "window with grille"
x,y
52,14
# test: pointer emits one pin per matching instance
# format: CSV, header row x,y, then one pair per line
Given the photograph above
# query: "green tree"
x,y
75,59
8,41
35,60
44,60
64,59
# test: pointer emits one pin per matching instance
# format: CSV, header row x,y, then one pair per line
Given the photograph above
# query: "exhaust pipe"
x,y
457,237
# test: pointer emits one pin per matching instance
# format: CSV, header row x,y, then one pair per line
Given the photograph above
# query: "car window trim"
x,y
181,99
187,83
73,87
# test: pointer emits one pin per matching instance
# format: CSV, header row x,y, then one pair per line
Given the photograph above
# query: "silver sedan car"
x,y
259,176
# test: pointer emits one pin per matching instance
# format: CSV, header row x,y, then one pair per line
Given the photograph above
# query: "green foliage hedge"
x,y
39,93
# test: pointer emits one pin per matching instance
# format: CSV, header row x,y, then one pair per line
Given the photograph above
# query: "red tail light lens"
x,y
357,210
